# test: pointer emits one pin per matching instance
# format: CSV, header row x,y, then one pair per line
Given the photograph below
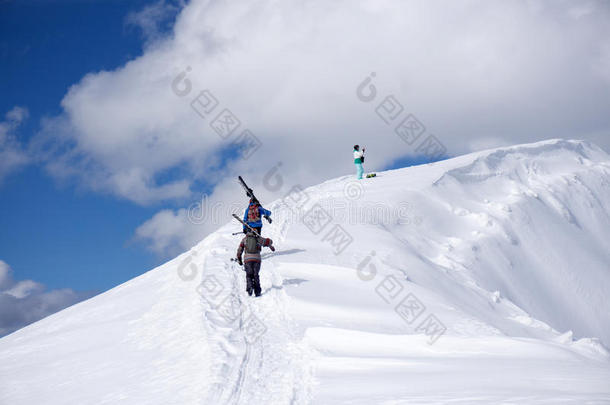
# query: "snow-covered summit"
x,y
479,279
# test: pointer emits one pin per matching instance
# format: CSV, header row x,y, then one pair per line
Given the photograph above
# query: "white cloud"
x,y
12,155
168,231
4,275
152,18
474,72
26,301
24,288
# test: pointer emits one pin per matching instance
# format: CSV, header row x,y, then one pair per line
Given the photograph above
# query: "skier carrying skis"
x,y
252,244
358,160
254,214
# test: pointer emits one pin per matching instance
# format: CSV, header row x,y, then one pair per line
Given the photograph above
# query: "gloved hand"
x,y
239,261
268,218
272,248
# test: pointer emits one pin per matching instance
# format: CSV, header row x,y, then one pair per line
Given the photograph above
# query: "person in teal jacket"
x,y
358,159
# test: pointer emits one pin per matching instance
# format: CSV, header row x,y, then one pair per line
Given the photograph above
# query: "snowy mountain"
x,y
479,279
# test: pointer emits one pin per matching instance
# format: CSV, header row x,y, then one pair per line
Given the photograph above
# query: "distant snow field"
x,y
481,279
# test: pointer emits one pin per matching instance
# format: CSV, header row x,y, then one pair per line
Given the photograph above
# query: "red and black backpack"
x,y
254,214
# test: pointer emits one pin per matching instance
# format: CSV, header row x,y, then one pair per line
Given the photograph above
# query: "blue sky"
x,y
54,233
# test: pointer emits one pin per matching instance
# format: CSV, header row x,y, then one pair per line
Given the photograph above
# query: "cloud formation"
x,y
24,302
475,73
12,154
153,19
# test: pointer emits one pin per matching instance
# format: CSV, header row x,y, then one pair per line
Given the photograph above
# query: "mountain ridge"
x,y
506,248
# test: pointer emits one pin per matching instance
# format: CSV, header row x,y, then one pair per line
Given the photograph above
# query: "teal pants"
x,y
359,170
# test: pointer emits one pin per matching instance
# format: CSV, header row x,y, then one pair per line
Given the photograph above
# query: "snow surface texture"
x,y
479,279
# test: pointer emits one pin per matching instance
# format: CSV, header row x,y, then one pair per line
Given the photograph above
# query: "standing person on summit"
x,y
252,244
254,214
358,160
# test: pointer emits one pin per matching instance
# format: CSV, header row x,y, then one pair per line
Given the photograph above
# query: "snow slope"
x,y
479,279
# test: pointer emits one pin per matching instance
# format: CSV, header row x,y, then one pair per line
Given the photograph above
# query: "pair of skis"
x,y
245,225
250,194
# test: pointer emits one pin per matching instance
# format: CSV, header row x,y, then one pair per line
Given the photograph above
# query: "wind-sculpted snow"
x,y
543,244
479,279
